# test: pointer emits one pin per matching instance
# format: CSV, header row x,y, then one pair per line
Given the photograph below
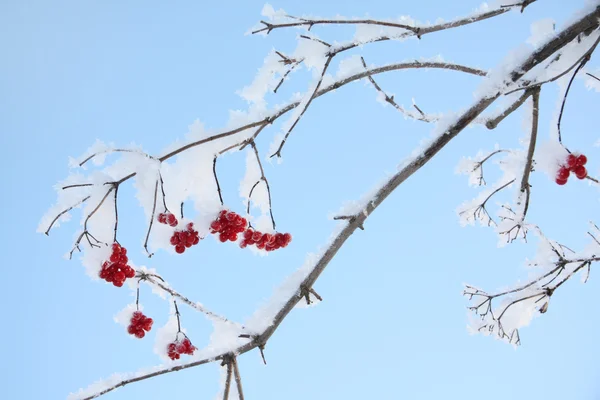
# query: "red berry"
x,y
147,325
196,239
115,257
171,220
119,276
222,237
118,283
561,181
563,174
174,240
162,218
581,160
140,333
180,248
571,161
580,172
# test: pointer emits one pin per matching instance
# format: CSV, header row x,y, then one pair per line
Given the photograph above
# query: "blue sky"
x,y
393,321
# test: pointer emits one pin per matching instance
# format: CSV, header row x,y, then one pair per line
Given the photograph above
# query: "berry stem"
x,y
177,315
217,179
116,215
151,220
562,107
264,179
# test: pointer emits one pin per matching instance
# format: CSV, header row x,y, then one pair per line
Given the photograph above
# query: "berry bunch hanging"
x,y
176,348
574,163
185,239
266,241
115,269
139,325
228,225
168,218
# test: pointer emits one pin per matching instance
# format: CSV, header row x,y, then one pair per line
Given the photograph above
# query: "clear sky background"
x,y
392,325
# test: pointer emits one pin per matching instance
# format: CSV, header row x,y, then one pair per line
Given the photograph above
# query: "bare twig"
x,y
150,278
564,101
60,214
493,123
390,100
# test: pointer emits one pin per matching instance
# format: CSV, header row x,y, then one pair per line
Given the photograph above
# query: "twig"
x,y
562,106
525,187
312,97
147,277
390,100
60,214
238,378
151,220
264,179
493,123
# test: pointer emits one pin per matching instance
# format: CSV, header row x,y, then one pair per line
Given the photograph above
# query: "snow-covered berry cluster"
x,y
176,348
115,269
168,219
575,164
185,239
228,225
139,325
266,241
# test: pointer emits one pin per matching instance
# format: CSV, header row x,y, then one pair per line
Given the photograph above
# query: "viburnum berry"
x,y
266,241
580,172
168,219
139,325
115,270
176,348
574,163
185,239
228,225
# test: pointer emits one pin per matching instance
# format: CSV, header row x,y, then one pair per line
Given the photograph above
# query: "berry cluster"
x,y
139,325
168,219
266,241
228,225
575,164
115,269
175,349
183,239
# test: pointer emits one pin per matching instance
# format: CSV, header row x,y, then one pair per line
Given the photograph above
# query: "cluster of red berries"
x,y
139,325
168,219
228,225
115,269
266,241
183,239
175,349
575,164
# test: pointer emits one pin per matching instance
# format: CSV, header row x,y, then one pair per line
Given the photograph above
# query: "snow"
x,y
541,31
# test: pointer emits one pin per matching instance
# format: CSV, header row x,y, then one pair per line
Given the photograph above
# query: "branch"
x,y
60,214
493,123
310,99
150,278
525,187
336,85
414,164
562,106
390,99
